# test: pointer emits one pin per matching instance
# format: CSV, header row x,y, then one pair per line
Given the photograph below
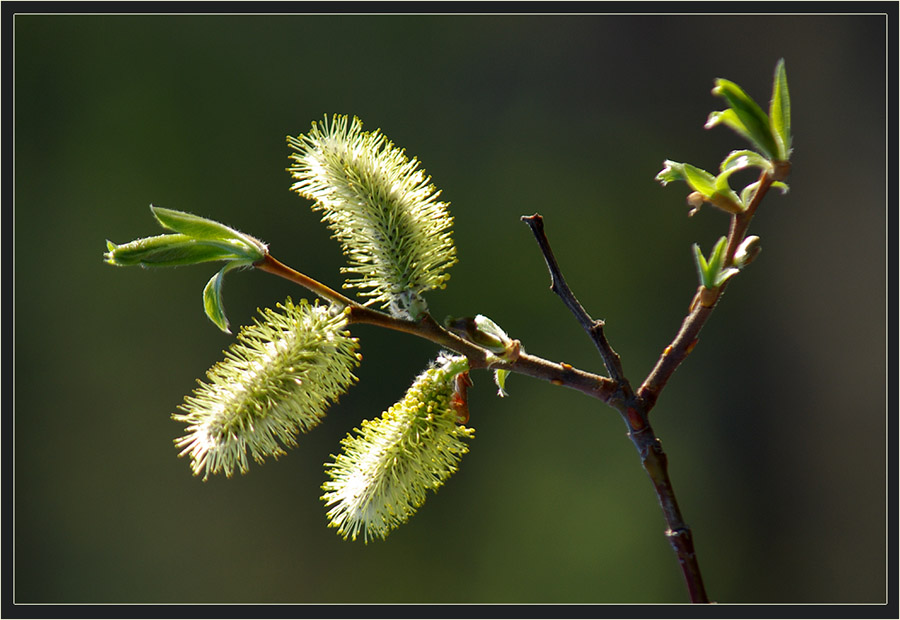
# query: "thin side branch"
x,y
634,413
701,307
270,264
558,285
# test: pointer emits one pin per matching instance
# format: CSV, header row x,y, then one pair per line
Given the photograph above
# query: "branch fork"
x,y
634,412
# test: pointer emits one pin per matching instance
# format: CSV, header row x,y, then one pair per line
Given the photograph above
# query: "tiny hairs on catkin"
x,y
381,207
388,464
277,379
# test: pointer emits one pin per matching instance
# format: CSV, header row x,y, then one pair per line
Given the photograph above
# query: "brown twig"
x,y
634,413
593,327
590,384
701,307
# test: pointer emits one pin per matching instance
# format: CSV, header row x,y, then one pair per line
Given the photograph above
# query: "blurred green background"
x,y
775,427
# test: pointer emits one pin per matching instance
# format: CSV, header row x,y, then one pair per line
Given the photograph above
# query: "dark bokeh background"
x,y
775,428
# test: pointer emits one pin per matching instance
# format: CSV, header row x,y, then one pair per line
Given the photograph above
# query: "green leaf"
x,y
208,230
166,251
754,120
784,188
700,180
747,192
735,162
725,198
740,160
707,187
500,380
780,112
714,190
702,266
717,258
730,119
672,171
212,296
725,274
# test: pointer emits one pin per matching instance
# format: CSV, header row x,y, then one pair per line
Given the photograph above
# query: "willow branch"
x,y
270,264
656,464
561,374
634,413
558,285
701,307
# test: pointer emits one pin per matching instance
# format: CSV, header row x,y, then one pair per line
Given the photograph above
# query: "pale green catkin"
x,y
386,467
395,233
277,379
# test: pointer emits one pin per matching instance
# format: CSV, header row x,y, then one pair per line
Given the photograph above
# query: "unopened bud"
x,y
747,251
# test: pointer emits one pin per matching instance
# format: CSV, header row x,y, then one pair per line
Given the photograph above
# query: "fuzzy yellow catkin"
x,y
382,208
386,467
277,379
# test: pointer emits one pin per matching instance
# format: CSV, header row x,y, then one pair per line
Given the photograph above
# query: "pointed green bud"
x,y
166,251
196,240
484,332
712,273
481,330
382,208
386,468
277,380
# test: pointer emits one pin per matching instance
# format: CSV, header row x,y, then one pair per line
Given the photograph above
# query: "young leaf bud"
x,y
385,469
481,330
747,251
196,240
277,379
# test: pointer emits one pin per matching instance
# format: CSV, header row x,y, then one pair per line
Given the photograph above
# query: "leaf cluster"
x,y
770,134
